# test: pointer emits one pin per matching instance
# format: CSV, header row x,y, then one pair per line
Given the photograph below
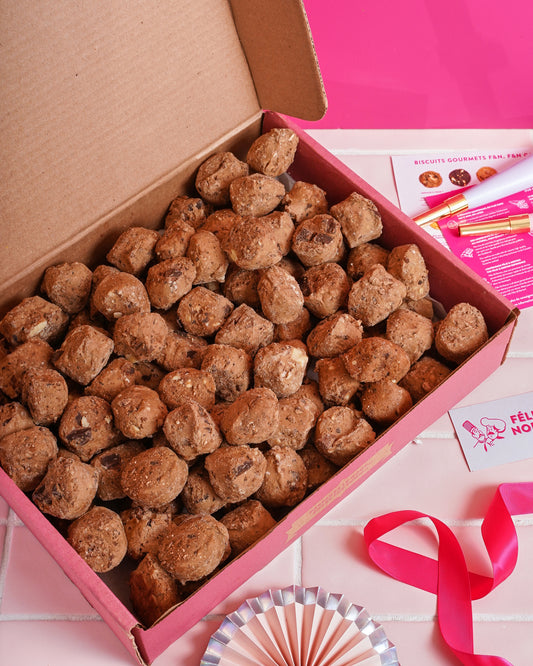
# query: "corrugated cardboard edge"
x,y
281,56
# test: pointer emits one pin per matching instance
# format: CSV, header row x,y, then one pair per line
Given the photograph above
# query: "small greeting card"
x,y
497,432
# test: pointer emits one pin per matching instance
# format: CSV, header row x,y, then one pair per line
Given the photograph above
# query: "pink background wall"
x,y
425,63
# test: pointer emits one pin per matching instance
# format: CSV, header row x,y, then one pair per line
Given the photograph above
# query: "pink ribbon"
x,y
448,577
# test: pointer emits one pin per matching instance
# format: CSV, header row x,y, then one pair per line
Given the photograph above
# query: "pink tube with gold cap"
x,y
515,178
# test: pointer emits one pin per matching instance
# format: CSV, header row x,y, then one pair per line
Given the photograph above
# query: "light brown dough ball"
x,y
138,411
235,472
241,286
174,241
246,524
363,257
245,329
255,195
304,200
424,376
280,295
406,263
334,335
182,350
144,529
285,482
230,368
153,591
34,317
259,242
148,374
376,358
67,489
252,418
198,495
170,280
193,548
297,329
117,375
373,297
185,384
220,223
190,431
319,468
99,538
423,306
35,353
281,367
359,218
68,285
337,386
45,392
208,258
309,389
272,153
154,477
13,417
191,210
109,464
297,418
410,331
133,250
385,401
462,331
325,289
317,240
26,454
215,176
202,312
120,293
83,353
340,434
86,426
140,336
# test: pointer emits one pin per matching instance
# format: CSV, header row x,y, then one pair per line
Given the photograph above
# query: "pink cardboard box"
x,y
95,165
451,282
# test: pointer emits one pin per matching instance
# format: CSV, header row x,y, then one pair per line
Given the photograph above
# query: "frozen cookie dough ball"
x,y
68,488
26,454
133,250
304,200
340,434
281,367
285,482
83,354
140,336
99,538
359,218
462,331
252,418
406,263
33,317
190,431
255,195
235,472
153,591
374,296
424,376
193,548
318,239
139,412
272,153
68,285
154,477
376,358
246,524
87,427
385,401
215,176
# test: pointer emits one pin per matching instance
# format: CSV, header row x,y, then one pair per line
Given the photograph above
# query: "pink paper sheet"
x,y
503,260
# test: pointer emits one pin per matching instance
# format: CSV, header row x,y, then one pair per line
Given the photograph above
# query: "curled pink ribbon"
x,y
448,576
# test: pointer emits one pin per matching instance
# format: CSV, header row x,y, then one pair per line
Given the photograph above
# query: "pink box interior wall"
x,y
315,164
420,64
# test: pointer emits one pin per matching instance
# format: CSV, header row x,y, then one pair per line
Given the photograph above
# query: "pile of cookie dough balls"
x,y
169,406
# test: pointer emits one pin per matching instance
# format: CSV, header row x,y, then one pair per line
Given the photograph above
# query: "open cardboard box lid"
x,y
102,102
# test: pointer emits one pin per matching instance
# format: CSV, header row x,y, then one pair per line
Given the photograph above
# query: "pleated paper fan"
x,y
299,626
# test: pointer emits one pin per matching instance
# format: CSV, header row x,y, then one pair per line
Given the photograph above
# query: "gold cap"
x,y
451,206
504,225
